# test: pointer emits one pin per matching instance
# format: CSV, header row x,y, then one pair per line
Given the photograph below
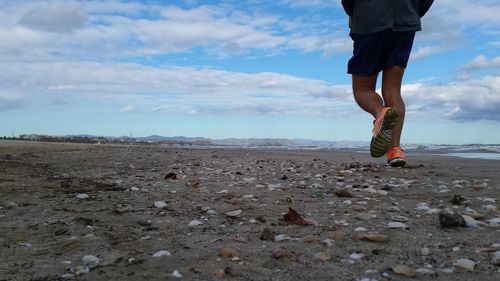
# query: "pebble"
x,y
145,237
404,270
424,271
134,188
375,237
382,192
365,216
234,213
282,237
494,220
88,259
447,219
162,253
425,251
235,201
10,205
160,204
83,196
341,223
356,256
272,187
280,253
360,229
423,207
211,212
448,270
400,218
370,190
228,253
267,235
220,273
195,223
67,276
309,239
80,270
490,207
322,256
176,274
397,225
457,199
343,193
358,208
496,258
471,222
25,244
328,242
465,264
392,209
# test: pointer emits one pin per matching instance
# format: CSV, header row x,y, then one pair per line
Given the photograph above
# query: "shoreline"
x,y
32,146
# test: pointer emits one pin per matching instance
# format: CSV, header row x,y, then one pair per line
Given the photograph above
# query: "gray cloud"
x,y
55,17
10,103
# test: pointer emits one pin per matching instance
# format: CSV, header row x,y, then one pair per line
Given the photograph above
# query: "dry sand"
x,y
49,233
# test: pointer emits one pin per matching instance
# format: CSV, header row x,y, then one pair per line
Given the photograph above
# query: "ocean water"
x,y
477,155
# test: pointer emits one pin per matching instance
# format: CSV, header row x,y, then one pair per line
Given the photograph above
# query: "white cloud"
x,y
42,44
426,51
329,44
309,3
128,109
116,7
61,87
449,23
465,11
478,63
462,101
201,90
54,30
481,62
177,88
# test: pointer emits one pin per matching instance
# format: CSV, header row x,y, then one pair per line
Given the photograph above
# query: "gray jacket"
x,y
370,16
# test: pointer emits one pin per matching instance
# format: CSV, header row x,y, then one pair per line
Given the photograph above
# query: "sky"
x,y
236,69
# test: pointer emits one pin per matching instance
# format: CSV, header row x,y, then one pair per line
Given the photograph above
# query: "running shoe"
x,y
382,131
396,157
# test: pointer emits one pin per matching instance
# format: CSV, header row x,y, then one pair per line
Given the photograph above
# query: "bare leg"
x,y
391,92
365,95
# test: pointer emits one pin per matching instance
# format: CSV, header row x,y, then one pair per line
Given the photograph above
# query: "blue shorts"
x,y
374,52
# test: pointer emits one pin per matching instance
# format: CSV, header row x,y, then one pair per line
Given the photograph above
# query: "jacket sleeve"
x,y
423,7
348,7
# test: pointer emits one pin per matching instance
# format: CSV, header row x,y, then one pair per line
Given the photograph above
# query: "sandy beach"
x,y
110,212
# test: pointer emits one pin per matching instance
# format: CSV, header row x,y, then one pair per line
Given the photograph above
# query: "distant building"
x,y
31,137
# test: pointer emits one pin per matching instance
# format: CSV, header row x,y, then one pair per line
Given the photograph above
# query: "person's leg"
x,y
392,77
364,93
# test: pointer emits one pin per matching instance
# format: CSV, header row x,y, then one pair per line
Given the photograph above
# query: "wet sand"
x,y
87,212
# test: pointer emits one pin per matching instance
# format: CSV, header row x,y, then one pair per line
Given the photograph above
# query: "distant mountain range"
x,y
249,142
279,143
